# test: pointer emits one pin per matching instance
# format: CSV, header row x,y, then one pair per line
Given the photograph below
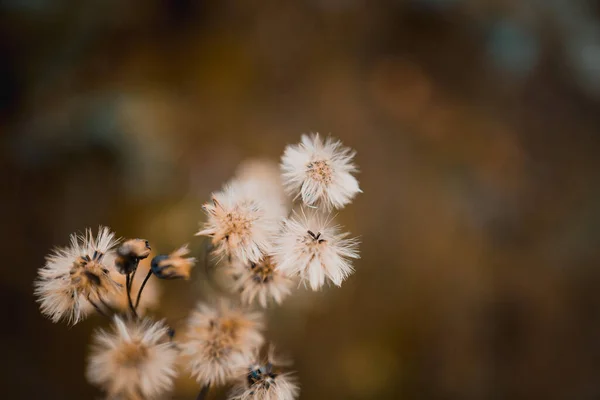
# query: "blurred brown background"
x,y
476,125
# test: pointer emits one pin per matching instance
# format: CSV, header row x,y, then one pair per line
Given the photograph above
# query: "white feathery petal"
x,y
261,281
220,342
238,223
76,273
136,360
265,381
314,249
58,298
261,179
321,173
104,242
279,387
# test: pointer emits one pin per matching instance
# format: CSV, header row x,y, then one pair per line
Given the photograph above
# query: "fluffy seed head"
x,y
238,223
173,266
136,360
262,180
75,274
261,281
309,246
320,172
265,381
220,341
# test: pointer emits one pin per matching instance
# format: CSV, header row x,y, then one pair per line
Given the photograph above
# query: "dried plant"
x,y
264,241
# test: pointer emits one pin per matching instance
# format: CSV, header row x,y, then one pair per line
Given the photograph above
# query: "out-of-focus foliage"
x,y
476,125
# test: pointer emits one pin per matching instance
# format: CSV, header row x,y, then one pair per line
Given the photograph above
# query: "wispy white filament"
x,y
262,281
321,173
220,341
309,246
135,360
262,181
238,223
75,273
265,381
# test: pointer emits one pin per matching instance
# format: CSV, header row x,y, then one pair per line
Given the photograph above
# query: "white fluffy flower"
x,y
261,281
320,172
312,248
220,341
262,181
238,223
77,274
265,381
136,360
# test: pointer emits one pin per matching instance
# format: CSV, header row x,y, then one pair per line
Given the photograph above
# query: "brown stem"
x,y
139,295
128,286
203,392
134,270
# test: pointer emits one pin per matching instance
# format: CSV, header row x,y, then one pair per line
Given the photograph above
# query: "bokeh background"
x,y
476,125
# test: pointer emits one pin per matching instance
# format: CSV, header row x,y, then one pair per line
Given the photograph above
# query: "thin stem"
x,y
203,392
139,295
128,285
134,270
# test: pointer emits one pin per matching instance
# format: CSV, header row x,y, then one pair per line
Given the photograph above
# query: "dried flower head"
x,y
261,281
312,248
75,274
130,253
238,223
265,381
320,172
262,179
173,266
136,360
220,341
